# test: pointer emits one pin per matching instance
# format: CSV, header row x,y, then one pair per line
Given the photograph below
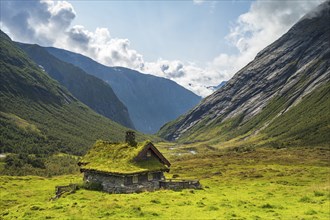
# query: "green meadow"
x,y
263,183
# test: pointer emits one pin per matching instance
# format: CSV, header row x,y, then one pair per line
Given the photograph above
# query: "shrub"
x,y
41,165
243,149
318,193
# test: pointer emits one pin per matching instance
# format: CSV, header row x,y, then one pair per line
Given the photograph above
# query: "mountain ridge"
x,y
151,101
280,71
89,89
40,116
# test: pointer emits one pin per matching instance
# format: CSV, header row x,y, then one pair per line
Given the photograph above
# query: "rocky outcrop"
x,y
291,67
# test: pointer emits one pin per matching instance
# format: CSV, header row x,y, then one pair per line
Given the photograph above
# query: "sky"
x,y
196,43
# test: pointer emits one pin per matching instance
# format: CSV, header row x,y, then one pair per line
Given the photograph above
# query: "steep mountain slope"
x,y
88,89
214,88
151,101
282,95
38,115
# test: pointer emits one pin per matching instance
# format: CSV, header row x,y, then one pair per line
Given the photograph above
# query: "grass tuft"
x,y
267,206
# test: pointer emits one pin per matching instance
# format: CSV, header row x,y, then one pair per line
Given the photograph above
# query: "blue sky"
x,y
168,29
195,43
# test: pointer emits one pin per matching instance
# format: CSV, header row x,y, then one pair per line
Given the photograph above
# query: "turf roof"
x,y
119,158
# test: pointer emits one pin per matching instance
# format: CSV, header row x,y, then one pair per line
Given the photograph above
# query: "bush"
x,y
318,193
243,149
18,161
41,165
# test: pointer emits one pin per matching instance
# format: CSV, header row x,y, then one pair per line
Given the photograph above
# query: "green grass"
x,y
307,123
261,184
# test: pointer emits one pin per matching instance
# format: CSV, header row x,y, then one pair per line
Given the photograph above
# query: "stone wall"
x,y
124,183
180,184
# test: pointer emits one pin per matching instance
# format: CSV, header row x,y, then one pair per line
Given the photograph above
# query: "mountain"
x,y
151,101
88,89
281,97
221,85
214,88
39,116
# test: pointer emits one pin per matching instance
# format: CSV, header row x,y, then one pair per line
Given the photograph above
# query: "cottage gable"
x,y
149,152
122,158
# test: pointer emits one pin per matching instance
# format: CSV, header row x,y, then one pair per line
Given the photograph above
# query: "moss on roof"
x,y
119,158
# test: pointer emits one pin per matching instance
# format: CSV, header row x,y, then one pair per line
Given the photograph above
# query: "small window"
x,y
148,153
135,179
150,177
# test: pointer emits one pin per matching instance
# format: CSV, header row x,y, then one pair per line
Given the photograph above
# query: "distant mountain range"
x,y
151,101
89,89
40,116
281,97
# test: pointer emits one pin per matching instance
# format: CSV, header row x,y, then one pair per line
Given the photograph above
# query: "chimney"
x,y
130,138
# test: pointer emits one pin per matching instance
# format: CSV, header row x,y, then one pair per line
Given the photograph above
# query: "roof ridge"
x,y
114,157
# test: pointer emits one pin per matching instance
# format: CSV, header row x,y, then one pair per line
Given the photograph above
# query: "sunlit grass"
x,y
118,158
261,184
20,123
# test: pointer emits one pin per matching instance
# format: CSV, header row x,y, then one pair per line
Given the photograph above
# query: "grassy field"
x,y
261,183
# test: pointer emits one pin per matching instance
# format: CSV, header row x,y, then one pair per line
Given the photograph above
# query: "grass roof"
x,y
119,158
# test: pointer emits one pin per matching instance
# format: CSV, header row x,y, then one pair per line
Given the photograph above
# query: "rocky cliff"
x,y
279,78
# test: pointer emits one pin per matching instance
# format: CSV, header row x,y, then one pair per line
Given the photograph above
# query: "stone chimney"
x,y
130,138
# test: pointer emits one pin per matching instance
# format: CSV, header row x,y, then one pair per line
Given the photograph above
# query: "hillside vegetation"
x,y
90,90
39,116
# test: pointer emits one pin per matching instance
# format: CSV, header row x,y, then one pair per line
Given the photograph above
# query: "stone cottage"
x,y
124,167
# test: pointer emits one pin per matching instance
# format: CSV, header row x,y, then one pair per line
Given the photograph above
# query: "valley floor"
x,y
264,183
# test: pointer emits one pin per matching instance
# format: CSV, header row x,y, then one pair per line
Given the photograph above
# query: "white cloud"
x,y
36,21
265,22
101,46
49,23
187,74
